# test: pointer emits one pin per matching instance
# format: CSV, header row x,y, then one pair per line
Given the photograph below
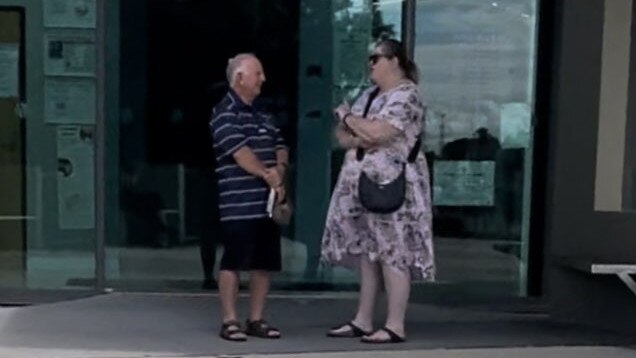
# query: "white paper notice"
x,y
9,70
464,183
75,177
70,100
70,13
515,125
70,53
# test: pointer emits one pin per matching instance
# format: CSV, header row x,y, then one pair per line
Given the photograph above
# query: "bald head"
x,y
237,64
246,76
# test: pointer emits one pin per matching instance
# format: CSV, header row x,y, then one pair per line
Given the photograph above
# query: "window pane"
x,y
47,150
170,72
477,66
335,37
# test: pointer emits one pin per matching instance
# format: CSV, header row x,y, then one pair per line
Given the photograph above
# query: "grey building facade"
x,y
106,161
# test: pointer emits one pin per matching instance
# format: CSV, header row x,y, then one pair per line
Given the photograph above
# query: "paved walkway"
x,y
528,352
153,325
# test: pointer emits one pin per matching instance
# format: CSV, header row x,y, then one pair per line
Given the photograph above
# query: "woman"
x,y
397,247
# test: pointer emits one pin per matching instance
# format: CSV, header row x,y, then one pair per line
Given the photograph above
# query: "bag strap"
x,y
360,151
414,151
372,95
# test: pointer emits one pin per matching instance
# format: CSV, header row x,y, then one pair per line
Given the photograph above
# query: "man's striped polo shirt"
x,y
234,124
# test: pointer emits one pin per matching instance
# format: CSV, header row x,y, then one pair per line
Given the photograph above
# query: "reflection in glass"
x,y
164,198
353,26
47,163
477,63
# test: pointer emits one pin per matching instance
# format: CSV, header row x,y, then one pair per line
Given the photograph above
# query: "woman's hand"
x,y
342,110
365,144
344,137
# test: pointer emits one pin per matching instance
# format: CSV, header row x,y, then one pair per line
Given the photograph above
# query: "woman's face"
x,y
380,64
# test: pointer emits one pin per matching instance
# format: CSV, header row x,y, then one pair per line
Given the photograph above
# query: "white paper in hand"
x,y
271,200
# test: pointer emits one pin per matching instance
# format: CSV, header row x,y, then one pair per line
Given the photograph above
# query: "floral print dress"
x,y
402,239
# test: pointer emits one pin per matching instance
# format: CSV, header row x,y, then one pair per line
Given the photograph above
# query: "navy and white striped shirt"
x,y
234,124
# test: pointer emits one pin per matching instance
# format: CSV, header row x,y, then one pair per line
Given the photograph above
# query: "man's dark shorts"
x,y
251,245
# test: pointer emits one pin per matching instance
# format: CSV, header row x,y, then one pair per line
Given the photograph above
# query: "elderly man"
x,y
251,158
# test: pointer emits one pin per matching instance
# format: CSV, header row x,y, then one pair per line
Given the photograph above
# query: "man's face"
x,y
251,77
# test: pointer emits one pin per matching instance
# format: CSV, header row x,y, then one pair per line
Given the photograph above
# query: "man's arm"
x,y
247,160
282,161
230,141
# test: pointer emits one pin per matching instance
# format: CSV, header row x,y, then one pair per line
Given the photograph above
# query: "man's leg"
x,y
259,287
264,260
228,290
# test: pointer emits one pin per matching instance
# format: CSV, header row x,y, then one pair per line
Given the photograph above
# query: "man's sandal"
x,y
393,337
232,331
260,328
353,331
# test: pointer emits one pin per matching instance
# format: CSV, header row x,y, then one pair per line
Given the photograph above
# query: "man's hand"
x,y
272,177
280,194
282,170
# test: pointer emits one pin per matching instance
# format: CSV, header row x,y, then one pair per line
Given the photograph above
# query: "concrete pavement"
x,y
186,325
522,352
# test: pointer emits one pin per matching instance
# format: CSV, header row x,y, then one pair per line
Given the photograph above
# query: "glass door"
x,y
47,161
171,57
12,213
162,225
335,39
477,59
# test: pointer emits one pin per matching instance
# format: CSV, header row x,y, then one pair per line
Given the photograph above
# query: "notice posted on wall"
x,y
9,70
70,13
75,177
70,53
70,100
464,183
515,125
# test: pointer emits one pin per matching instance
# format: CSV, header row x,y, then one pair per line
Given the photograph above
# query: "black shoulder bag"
x,y
383,198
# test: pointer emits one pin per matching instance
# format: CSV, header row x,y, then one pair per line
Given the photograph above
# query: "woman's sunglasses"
x,y
374,58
